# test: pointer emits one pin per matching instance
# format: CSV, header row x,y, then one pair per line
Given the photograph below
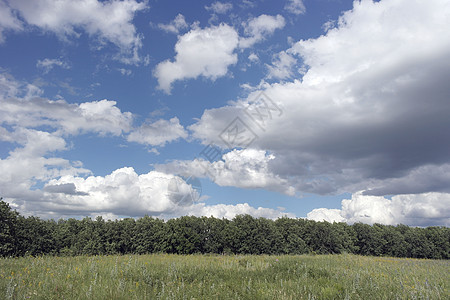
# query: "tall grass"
x,y
163,276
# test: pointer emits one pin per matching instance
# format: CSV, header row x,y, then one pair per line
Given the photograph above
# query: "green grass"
x,y
163,276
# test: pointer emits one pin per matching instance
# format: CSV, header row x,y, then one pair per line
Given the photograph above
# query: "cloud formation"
x,y
109,21
257,29
38,129
416,210
49,63
8,20
247,168
369,110
230,211
295,7
175,25
219,7
158,133
372,106
204,52
281,67
125,193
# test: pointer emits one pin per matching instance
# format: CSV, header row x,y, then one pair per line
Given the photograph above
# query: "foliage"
x,y
20,236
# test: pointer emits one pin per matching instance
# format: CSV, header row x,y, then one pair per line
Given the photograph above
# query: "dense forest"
x,y
20,236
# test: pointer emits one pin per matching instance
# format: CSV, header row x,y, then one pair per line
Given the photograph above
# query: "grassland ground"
x,y
163,276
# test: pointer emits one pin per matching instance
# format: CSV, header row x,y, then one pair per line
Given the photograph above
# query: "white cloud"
x,y
70,190
209,52
230,211
295,7
282,65
33,162
253,57
97,116
125,72
247,168
357,119
325,214
201,52
175,25
47,64
257,29
36,156
8,21
125,193
371,111
158,133
416,210
219,7
108,21
21,106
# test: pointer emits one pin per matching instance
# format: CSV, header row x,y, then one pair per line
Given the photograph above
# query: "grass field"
x,y
163,276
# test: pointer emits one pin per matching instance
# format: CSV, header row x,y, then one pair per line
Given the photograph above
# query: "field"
x,y
163,276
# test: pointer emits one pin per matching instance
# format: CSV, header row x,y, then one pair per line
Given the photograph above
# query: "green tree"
x,y
213,234
439,238
369,240
291,232
149,235
8,228
36,236
184,235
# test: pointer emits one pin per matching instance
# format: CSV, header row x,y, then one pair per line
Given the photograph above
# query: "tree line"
x,y
244,234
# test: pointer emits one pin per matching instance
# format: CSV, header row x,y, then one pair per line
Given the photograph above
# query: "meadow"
x,y
165,276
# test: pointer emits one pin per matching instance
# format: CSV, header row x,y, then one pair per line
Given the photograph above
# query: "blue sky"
x,y
106,107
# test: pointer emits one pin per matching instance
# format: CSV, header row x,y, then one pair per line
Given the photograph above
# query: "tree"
x,y
440,240
8,229
184,235
149,235
369,240
35,236
213,235
291,241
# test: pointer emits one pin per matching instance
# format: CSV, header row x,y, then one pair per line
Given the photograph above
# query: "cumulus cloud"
x,y
426,209
219,7
71,190
21,106
97,116
37,128
204,52
247,168
109,21
257,29
64,188
47,64
175,25
124,192
158,133
32,162
295,7
230,211
326,214
371,111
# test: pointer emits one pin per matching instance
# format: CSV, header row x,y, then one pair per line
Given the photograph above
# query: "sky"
x,y
329,110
